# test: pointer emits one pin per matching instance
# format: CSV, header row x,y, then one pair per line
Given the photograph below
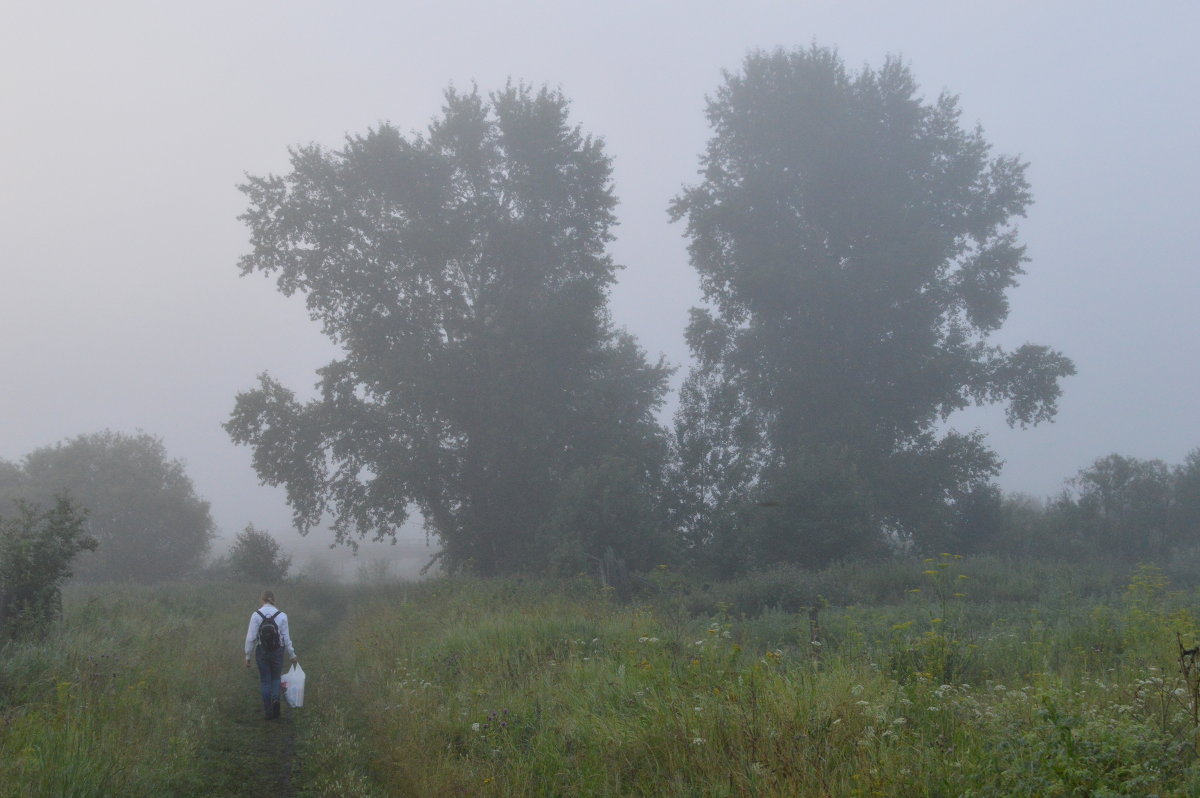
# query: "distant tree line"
x,y
1140,510
854,244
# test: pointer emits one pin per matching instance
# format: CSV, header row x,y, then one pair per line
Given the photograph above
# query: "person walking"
x,y
268,638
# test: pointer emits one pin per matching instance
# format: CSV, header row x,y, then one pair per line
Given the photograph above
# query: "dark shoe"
x,y
274,713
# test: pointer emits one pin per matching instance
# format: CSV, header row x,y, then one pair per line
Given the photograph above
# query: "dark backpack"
x,y
268,633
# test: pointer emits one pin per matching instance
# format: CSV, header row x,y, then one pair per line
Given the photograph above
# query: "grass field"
x,y
948,677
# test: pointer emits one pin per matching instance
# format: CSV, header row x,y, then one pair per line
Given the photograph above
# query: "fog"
x,y
127,127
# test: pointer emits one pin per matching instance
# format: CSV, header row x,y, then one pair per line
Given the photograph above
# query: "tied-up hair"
x,y
268,597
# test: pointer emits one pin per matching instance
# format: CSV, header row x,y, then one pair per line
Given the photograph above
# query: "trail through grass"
x,y
247,755
523,688
142,692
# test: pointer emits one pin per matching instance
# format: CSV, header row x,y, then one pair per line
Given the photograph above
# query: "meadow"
x,y
938,677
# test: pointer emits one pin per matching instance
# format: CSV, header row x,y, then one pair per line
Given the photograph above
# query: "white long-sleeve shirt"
x,y
281,620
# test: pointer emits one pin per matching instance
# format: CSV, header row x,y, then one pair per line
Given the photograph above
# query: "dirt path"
x,y
247,755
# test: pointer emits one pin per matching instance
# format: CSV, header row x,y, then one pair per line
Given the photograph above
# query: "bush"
x,y
257,557
36,549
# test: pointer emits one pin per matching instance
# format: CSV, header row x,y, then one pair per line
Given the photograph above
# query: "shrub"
x,y
257,557
36,549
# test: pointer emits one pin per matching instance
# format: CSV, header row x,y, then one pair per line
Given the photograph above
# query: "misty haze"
x,y
556,399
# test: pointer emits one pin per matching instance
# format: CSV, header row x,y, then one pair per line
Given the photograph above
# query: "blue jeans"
x,y
270,668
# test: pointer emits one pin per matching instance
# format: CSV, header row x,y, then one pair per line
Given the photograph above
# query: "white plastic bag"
x,y
292,685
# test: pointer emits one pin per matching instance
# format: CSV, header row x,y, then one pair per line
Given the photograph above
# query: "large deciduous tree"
x,y
142,509
464,275
855,246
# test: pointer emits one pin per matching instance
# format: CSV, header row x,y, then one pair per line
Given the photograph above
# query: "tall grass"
x,y
141,691
959,679
505,688
119,700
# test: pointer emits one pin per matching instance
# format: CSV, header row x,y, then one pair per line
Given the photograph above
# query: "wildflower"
x,y
474,727
856,689
698,741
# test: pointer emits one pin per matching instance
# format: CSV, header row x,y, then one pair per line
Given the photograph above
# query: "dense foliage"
x,y
464,274
1138,510
855,245
36,550
141,506
255,556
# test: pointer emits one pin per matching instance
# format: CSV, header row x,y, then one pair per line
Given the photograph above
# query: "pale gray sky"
x,y
127,125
